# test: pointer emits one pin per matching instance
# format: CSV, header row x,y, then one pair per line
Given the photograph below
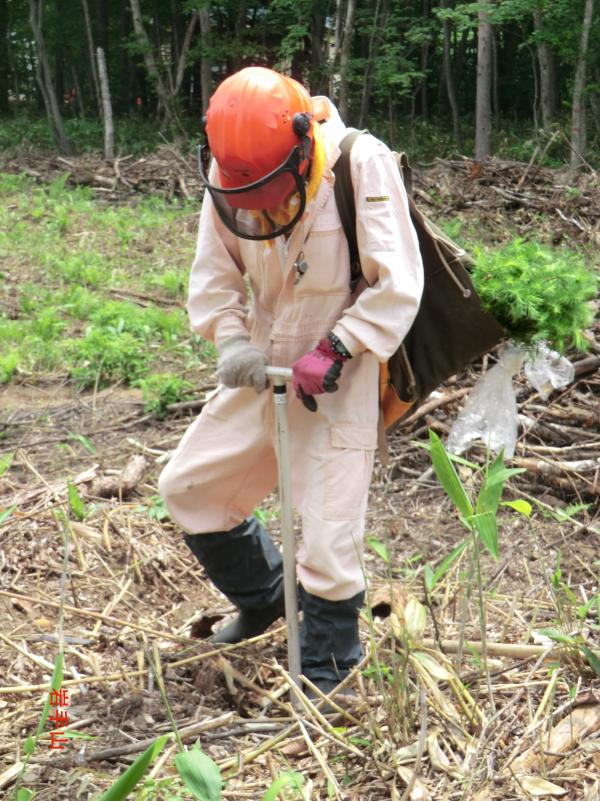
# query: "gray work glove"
x,y
241,364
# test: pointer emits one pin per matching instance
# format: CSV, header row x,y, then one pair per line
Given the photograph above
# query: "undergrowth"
x,y
96,293
92,291
423,140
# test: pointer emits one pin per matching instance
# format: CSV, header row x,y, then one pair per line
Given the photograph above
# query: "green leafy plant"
x,y
8,365
155,508
200,774
121,788
264,515
76,504
479,516
537,294
30,744
105,356
6,462
283,784
380,548
574,619
161,389
575,642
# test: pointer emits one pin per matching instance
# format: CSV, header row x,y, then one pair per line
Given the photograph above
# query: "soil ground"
x,y
134,597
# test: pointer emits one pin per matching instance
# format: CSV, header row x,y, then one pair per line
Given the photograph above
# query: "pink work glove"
x,y
318,371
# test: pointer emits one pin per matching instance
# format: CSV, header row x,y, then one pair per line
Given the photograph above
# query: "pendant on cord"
x,y
301,266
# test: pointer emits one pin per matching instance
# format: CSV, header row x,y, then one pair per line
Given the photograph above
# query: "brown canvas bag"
x,y
451,328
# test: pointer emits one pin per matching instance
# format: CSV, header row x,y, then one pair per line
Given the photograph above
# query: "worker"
x,y
270,284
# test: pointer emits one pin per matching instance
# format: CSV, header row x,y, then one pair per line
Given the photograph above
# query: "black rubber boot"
x,y
329,640
247,567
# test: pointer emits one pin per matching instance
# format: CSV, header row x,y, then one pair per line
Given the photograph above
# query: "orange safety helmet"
x,y
259,130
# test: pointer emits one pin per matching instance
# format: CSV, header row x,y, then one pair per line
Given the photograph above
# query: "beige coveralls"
x,y
226,461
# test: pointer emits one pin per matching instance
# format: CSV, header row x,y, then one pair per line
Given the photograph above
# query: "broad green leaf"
x,y
6,513
79,735
5,462
200,774
128,780
491,489
29,746
495,478
520,506
485,523
428,578
288,779
432,577
87,443
557,636
452,456
55,684
361,741
507,472
23,794
448,477
380,549
569,511
76,505
591,658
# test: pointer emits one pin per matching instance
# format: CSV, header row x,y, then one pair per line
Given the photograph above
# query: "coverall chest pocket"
x,y
327,256
348,470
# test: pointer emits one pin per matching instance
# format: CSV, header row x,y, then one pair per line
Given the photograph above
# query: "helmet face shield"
x,y
244,210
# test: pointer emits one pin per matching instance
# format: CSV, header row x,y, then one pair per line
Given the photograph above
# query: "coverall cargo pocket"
x,y
348,471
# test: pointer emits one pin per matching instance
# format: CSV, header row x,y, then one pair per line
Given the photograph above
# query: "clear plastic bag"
x,y
547,370
490,413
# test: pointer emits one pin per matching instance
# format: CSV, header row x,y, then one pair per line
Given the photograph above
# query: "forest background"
x,y
435,78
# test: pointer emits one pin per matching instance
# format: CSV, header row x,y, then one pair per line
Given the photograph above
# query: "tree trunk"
x,y
578,123
205,62
345,58
334,52
495,97
4,57
366,90
391,120
90,44
12,68
164,96
109,140
79,95
449,75
317,59
44,79
546,64
423,88
483,108
184,50
240,29
595,102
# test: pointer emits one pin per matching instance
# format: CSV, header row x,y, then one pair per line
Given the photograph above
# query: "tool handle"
x,y
279,374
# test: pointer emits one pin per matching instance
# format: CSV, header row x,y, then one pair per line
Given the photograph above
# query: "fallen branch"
x,y
557,468
122,484
185,733
513,650
435,403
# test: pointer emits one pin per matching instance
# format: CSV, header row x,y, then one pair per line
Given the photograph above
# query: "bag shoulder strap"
x,y
344,198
